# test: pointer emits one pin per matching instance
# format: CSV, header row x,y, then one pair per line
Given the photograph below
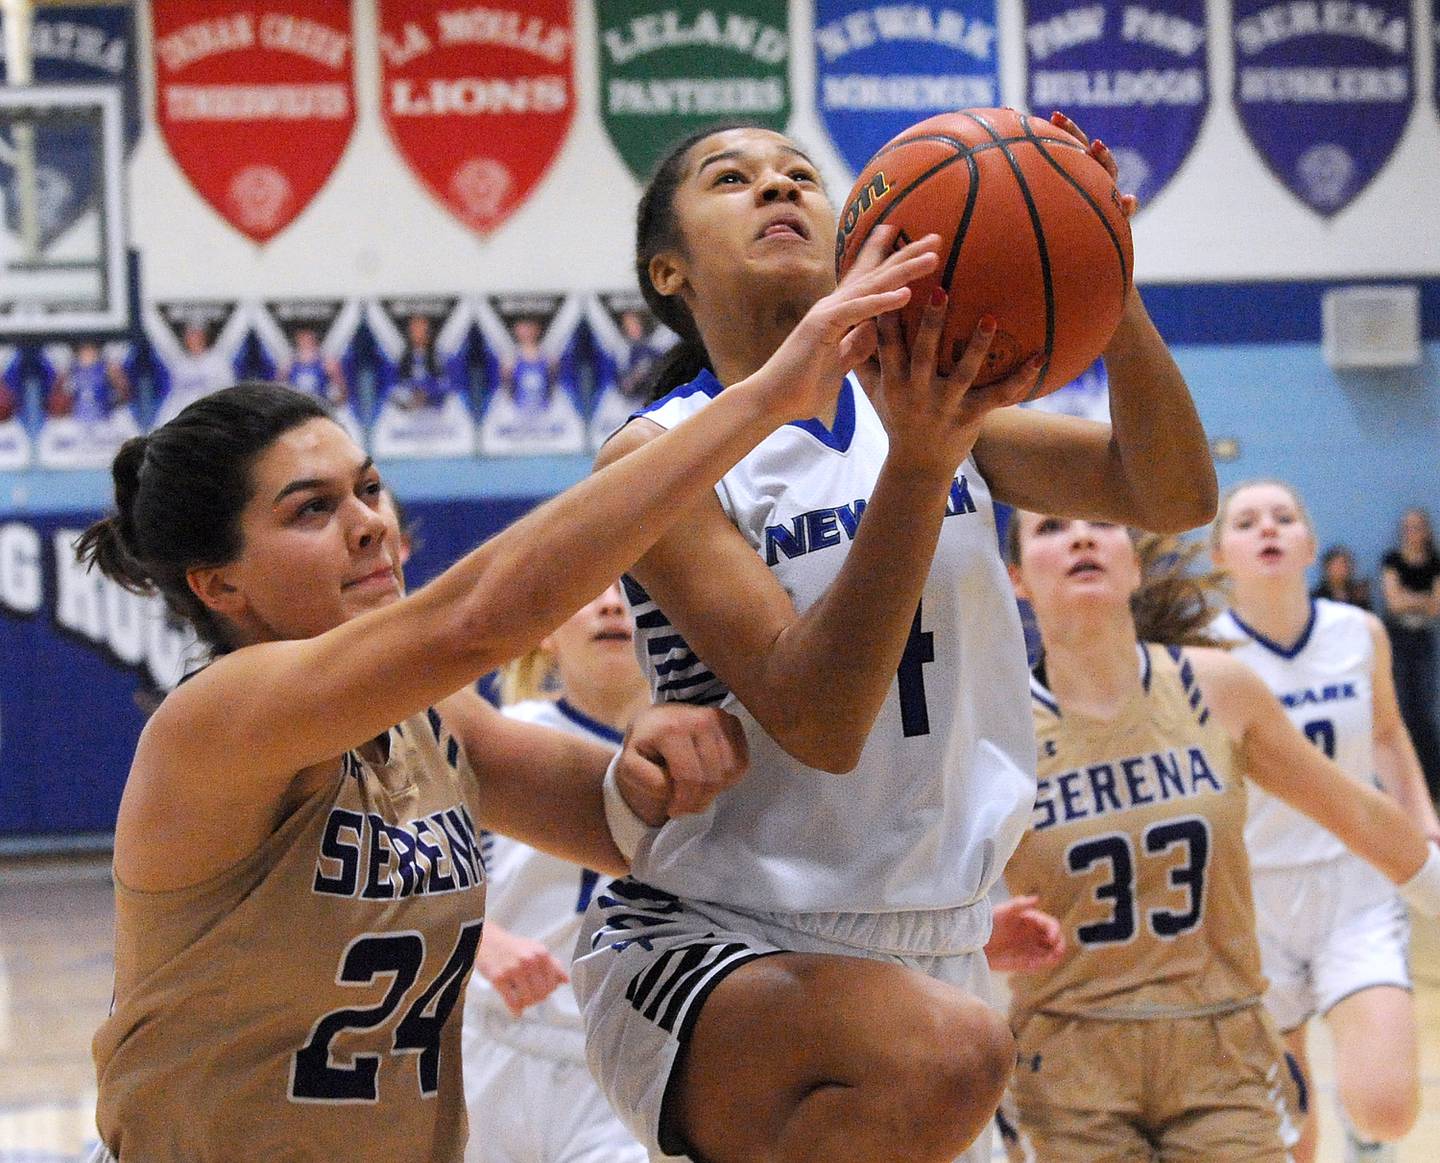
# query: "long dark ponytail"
x,y
179,493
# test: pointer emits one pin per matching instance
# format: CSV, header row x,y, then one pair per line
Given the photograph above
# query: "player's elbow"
x,y
827,748
1188,509
819,729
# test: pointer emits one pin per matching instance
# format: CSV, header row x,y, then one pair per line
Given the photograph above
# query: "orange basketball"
x,y
1031,232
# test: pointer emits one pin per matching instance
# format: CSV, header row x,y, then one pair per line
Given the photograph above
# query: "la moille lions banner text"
x,y
1132,75
670,67
478,99
255,101
1324,89
86,44
879,68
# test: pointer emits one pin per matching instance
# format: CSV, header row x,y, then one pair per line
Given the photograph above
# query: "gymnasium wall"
x,y
1224,216
1233,262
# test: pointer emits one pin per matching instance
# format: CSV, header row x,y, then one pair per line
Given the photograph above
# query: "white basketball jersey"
x,y
1324,682
536,895
944,785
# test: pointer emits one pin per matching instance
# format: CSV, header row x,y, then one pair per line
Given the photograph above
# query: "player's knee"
x,y
962,1076
1384,1114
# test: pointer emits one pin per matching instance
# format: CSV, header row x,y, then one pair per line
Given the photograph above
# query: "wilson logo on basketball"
x,y
871,192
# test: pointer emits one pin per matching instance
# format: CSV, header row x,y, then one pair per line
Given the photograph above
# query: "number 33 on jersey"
x,y
1137,844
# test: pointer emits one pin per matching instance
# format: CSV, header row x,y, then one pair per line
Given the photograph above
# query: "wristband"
x,y
626,828
1422,891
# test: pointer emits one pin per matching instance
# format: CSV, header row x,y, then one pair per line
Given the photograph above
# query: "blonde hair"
x,y
1175,604
1228,498
534,675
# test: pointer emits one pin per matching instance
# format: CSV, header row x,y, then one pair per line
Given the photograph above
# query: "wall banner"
x,y
532,365
195,349
74,44
1324,91
1134,76
255,101
880,68
424,344
301,343
15,442
628,342
670,67
478,100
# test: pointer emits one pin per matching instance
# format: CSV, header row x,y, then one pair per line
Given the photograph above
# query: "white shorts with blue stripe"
x,y
647,960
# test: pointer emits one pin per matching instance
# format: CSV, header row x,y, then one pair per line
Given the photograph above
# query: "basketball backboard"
x,y
62,239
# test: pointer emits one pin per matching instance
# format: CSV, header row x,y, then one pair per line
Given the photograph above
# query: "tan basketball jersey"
x,y
302,1004
1137,845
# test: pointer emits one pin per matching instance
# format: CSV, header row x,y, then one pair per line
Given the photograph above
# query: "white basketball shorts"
x,y
1328,931
647,960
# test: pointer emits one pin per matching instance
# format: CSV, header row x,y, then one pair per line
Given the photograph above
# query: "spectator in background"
x,y
1410,576
1338,580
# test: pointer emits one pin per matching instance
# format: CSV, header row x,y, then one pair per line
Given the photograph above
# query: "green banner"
x,y
670,67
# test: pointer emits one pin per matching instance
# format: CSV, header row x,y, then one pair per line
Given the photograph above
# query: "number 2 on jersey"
x,y
1118,853
1321,732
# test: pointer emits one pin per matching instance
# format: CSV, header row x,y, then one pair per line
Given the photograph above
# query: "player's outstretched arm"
x,y
279,707
1287,765
1150,467
1396,763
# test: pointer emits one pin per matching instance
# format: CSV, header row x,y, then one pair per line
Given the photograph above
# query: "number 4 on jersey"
x,y
919,649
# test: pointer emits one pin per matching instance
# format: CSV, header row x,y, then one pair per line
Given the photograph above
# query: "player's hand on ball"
x,y
1023,937
677,759
1098,150
837,334
522,971
934,419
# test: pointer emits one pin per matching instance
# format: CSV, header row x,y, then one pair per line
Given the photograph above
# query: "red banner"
x,y
256,101
478,99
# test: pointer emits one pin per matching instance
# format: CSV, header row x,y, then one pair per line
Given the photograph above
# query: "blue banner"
x,y
1324,89
76,44
880,68
1133,76
82,661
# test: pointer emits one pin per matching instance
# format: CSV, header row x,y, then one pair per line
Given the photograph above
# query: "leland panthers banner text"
x,y
670,67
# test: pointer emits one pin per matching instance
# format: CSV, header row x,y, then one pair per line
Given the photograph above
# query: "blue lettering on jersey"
x,y
822,528
959,501
1132,782
363,856
1325,694
811,531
